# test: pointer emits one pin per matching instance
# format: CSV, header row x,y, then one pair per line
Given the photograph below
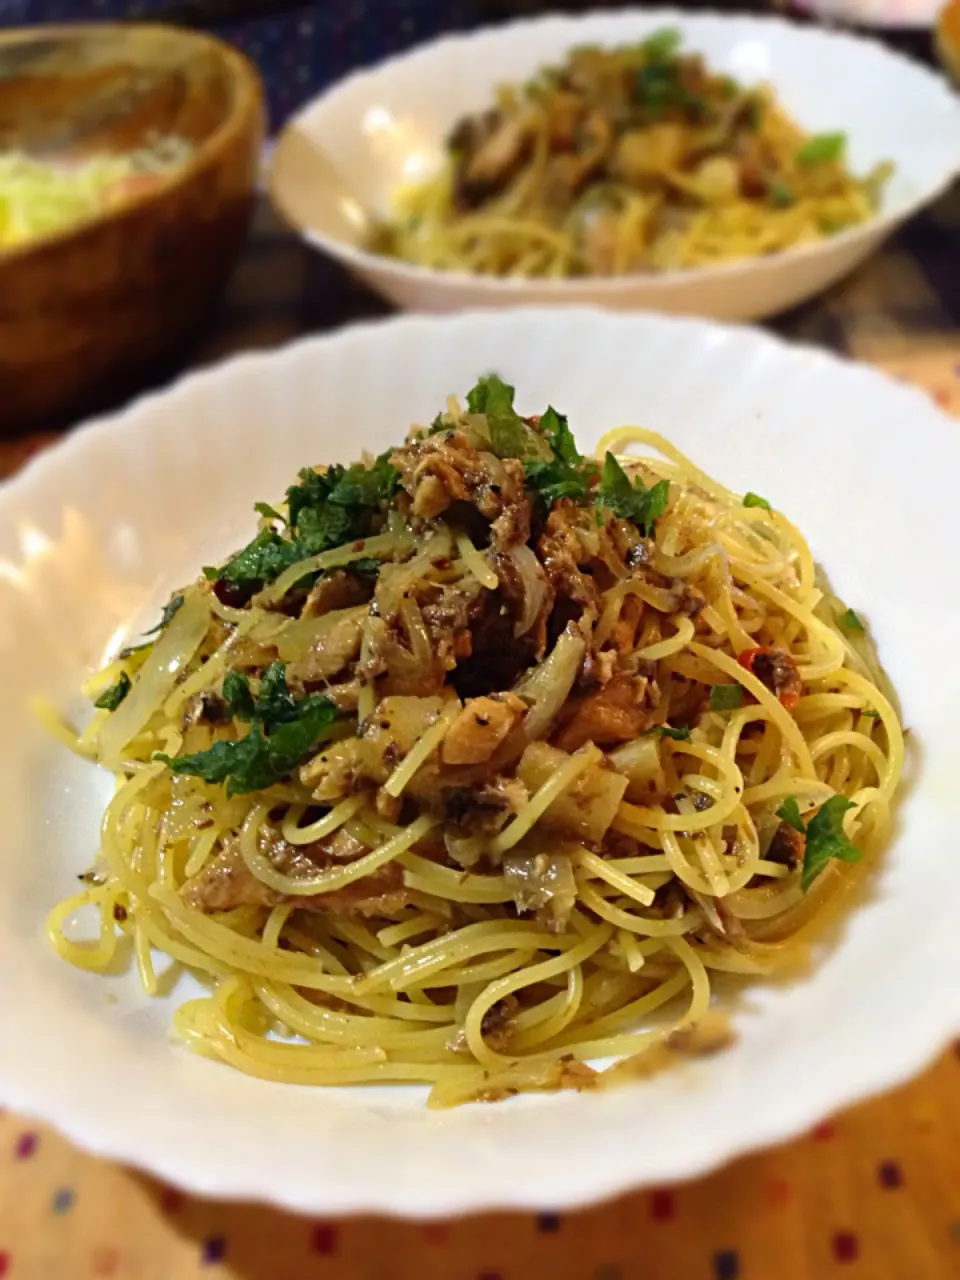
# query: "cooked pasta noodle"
x,y
625,160
479,760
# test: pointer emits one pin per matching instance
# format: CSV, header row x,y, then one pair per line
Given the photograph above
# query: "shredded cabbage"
x,y
39,197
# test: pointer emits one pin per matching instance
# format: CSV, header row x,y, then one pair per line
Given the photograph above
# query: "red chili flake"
x,y
777,670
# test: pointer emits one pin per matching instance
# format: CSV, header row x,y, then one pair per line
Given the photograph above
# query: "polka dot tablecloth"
x,y
872,1194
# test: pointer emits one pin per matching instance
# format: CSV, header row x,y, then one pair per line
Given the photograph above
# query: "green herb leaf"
x,y
662,44
850,622
822,148
726,697
728,86
754,500
326,526
826,839
236,691
169,609
510,436
366,487
357,489
275,704
634,501
568,474
211,572
261,560
312,491
284,730
665,731
326,510
789,812
366,568
780,194
557,430
269,513
874,715
657,89
111,698
753,114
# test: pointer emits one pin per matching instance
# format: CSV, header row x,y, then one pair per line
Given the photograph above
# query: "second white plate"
x,y
379,129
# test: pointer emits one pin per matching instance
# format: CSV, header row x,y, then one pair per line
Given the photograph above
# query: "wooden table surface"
x,y
873,1194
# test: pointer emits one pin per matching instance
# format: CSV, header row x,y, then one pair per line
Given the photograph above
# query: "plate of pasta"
x,y
728,166
511,749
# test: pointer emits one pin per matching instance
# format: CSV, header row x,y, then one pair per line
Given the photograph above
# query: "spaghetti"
x,y
479,760
627,160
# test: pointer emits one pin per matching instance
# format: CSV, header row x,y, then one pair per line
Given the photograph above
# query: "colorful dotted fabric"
x,y
873,1195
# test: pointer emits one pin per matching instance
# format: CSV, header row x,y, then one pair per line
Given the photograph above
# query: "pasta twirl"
x,y
479,760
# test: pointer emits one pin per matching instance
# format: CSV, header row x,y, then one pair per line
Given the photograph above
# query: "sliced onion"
x,y
542,881
156,679
638,760
301,635
465,850
395,580
534,582
548,686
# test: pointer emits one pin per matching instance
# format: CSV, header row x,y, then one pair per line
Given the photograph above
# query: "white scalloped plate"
x,y
96,532
346,151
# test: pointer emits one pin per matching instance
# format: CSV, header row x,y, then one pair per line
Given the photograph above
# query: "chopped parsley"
x,y
631,501
850,622
111,698
822,148
325,510
789,812
365,568
568,474
780,194
726,697
728,86
825,837
260,561
666,731
658,89
754,500
269,513
754,113
510,436
283,731
657,84
169,610
237,695
662,44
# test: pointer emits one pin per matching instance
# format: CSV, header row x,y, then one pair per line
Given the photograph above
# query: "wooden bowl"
x,y
946,38
86,314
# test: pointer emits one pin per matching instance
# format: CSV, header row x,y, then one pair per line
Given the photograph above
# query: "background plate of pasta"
x,y
727,166
526,735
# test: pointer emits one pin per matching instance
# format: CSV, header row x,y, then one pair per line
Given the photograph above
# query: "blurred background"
x,y
301,46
